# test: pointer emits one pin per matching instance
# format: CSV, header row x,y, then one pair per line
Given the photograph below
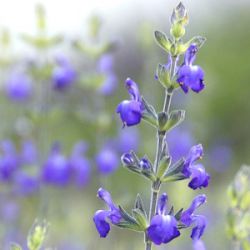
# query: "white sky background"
x,y
69,16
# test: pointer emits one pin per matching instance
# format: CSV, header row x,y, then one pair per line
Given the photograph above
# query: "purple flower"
x,y
199,177
101,217
18,87
195,153
80,165
56,169
107,160
131,110
189,75
63,74
188,218
163,227
8,161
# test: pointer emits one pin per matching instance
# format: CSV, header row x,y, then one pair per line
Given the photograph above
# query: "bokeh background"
x,y
99,44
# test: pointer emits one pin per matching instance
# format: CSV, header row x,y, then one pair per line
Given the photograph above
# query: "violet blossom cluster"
x,y
25,173
24,170
161,225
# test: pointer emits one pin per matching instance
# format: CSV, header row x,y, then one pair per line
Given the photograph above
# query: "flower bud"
x,y
147,168
37,235
178,20
179,14
177,31
127,159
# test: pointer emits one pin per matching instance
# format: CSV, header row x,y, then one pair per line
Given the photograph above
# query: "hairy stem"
x,y
160,139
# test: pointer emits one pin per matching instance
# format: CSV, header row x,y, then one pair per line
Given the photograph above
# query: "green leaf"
x,y
178,214
128,225
140,218
139,205
163,41
162,120
175,118
163,76
176,168
163,165
149,114
174,172
176,177
197,40
126,216
171,212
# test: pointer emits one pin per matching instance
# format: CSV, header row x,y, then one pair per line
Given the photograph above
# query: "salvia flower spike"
x,y
162,223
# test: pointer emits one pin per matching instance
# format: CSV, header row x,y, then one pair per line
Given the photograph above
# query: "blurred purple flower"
x,y
188,218
18,87
163,227
8,160
107,160
221,157
179,141
80,165
101,216
105,66
128,139
56,169
131,110
26,184
28,153
189,75
63,74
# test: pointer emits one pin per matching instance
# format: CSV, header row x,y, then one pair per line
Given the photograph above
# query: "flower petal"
x,y
101,224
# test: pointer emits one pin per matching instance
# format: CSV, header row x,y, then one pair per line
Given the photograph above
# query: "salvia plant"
x,y
161,225
238,216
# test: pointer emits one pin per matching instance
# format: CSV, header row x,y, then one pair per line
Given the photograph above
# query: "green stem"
x,y
160,139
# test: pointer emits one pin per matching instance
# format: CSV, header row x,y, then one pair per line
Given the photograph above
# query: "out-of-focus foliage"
x,y
239,212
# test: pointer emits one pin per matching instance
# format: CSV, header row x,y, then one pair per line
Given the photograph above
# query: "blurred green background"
x,y
218,116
